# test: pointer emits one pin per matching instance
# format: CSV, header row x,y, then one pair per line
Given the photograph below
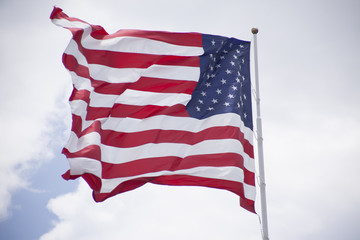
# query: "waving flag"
x,y
160,107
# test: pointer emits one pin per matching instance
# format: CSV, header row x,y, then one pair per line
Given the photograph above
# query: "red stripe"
x,y
173,163
127,140
182,39
91,152
139,112
134,60
98,32
58,13
71,63
82,94
186,180
145,84
131,60
181,180
76,126
124,140
94,113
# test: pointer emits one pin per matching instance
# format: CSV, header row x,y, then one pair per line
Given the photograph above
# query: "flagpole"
x,y
264,221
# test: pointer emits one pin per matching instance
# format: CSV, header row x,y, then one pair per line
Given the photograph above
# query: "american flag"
x,y
160,107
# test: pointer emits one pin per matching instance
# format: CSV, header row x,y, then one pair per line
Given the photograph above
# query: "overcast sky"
x,y
309,59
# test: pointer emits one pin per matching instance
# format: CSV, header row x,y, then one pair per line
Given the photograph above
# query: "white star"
x,y
224,51
212,75
232,63
208,84
210,108
230,45
222,57
237,50
238,105
203,93
197,109
214,100
237,80
223,81
231,96
218,91
245,115
242,60
244,96
234,87
201,101
241,46
235,56
218,66
213,42
228,71
242,103
227,104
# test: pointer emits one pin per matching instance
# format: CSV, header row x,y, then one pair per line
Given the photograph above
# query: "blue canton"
x,y
224,85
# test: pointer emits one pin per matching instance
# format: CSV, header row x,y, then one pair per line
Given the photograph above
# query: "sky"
x,y
309,71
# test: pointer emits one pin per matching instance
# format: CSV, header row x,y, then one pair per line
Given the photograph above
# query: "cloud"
x,y
152,212
32,98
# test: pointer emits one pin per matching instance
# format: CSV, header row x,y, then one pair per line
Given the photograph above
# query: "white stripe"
x,y
129,75
140,45
129,125
81,165
249,191
176,123
81,83
173,72
72,49
114,75
102,100
126,75
111,154
138,98
151,150
224,173
76,144
141,98
121,155
69,24
129,44
78,107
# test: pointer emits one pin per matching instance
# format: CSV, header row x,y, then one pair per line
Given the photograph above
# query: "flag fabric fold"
x,y
160,107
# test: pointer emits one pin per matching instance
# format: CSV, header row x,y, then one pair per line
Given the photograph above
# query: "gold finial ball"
x,y
254,30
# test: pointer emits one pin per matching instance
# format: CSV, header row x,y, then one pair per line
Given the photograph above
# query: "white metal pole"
x,y
264,221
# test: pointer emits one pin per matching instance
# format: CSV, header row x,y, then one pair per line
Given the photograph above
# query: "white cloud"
x,y
152,212
33,85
